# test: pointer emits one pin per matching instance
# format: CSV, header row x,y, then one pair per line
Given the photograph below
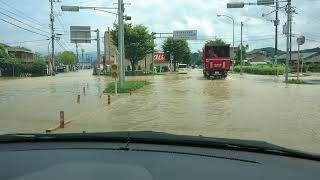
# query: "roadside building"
x,y
24,55
311,60
258,57
160,62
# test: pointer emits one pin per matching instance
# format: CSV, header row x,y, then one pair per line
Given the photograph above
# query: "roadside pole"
x,y
276,23
51,67
241,57
77,52
98,49
115,86
109,46
153,37
298,63
171,59
288,39
300,40
120,42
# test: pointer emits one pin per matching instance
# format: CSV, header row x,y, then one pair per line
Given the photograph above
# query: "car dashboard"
x,y
138,161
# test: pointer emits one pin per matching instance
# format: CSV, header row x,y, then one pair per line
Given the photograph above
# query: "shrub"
x,y
134,73
127,86
295,81
261,70
165,69
38,67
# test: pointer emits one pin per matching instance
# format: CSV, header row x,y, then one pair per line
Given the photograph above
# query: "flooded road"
x,y
244,107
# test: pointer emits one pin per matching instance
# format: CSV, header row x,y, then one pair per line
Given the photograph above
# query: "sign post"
x,y
300,40
115,74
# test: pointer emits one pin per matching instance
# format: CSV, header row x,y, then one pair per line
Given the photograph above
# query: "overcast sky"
x,y
159,16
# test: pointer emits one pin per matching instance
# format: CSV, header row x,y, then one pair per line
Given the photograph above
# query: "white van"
x,y
182,68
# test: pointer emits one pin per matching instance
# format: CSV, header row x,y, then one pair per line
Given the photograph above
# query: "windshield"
x,y
217,52
75,66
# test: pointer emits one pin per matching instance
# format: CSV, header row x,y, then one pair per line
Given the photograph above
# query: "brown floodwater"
x,y
244,107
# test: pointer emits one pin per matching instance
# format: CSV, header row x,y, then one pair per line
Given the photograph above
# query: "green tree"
x,y
179,49
66,57
38,56
13,64
215,42
237,57
196,59
38,67
3,56
138,42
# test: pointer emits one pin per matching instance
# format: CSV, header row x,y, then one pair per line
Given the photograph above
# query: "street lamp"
x,y
222,15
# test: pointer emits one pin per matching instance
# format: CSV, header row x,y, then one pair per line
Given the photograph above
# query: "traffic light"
x,y
114,71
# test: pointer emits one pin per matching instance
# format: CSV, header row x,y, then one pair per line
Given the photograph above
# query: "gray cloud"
x,y
166,16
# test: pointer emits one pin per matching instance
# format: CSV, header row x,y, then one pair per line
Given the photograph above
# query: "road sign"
x,y
187,35
285,29
301,40
80,34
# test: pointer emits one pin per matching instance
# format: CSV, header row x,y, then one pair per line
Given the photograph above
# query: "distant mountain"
x,y
90,56
269,51
317,49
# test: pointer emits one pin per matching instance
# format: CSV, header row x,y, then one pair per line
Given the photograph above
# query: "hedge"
x,y
261,70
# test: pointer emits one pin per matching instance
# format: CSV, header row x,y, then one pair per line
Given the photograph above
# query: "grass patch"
x,y
127,86
295,81
261,70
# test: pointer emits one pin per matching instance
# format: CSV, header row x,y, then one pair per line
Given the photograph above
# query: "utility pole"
x,y
291,11
276,24
241,57
109,46
82,58
77,52
121,42
153,34
51,62
105,50
98,46
288,38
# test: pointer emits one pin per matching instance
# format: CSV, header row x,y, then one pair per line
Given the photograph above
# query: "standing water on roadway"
x,y
243,107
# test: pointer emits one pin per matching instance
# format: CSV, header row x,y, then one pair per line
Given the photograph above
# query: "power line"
x,y
62,47
58,17
28,41
23,28
23,17
23,23
23,14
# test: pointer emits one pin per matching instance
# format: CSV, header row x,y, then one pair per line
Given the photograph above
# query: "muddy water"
x,y
248,107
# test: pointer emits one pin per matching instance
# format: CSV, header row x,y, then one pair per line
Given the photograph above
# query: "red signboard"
x,y
159,58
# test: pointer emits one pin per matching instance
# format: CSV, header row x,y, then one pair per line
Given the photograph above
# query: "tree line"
x,y
139,43
12,66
